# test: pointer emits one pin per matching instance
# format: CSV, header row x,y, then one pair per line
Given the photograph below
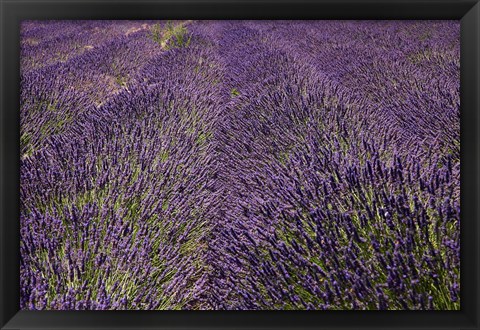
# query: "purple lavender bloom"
x,y
240,165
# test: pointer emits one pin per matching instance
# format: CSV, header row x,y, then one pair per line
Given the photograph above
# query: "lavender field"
x,y
243,165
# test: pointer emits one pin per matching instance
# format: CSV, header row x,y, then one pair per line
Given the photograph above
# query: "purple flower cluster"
x,y
261,165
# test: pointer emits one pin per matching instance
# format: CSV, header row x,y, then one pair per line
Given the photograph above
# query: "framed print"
x,y
239,164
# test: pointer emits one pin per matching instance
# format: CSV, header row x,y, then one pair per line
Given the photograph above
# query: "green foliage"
x,y
234,92
156,33
171,35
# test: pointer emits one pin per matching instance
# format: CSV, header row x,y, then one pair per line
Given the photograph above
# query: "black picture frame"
x,y
14,11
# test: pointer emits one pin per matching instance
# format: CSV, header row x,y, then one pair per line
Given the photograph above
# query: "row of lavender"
x,y
115,193
263,165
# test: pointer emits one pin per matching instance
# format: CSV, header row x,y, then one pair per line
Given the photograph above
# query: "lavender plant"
x,y
241,165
